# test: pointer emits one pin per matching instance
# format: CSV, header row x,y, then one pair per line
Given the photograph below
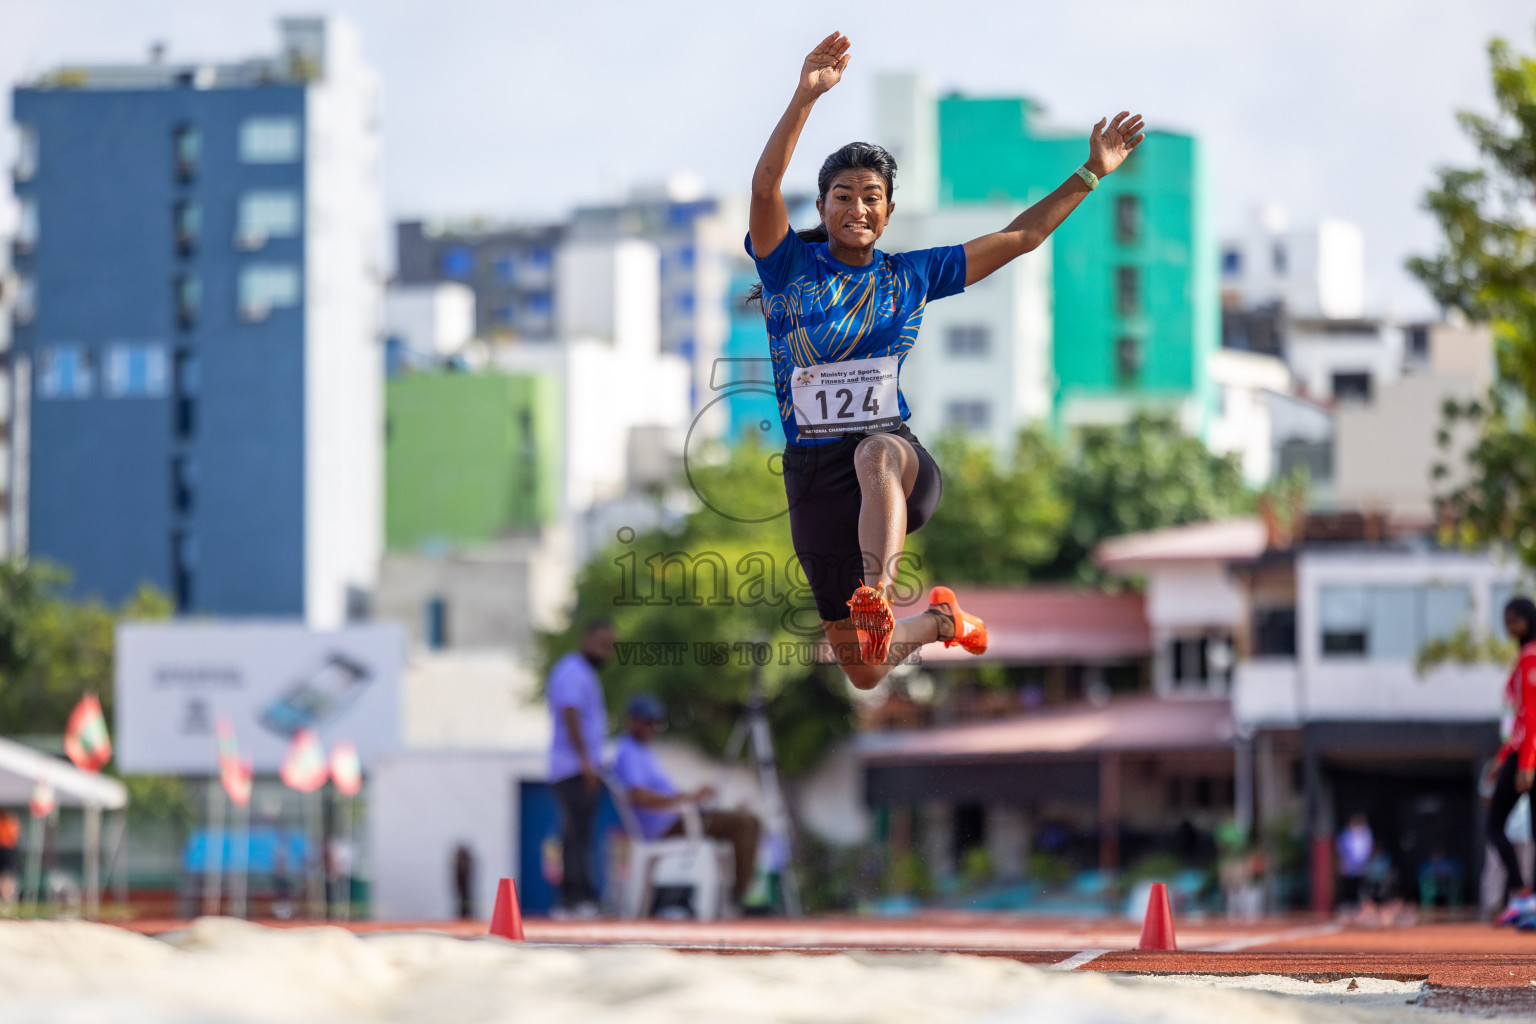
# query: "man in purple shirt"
x,y
575,760
656,799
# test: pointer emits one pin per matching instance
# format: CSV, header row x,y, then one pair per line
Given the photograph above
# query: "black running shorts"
x,y
824,502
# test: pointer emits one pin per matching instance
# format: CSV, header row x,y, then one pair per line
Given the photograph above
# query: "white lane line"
x,y
1249,941
1077,960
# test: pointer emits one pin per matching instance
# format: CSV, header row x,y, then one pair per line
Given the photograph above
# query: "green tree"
x,y
996,523
53,650
1486,267
1145,474
685,602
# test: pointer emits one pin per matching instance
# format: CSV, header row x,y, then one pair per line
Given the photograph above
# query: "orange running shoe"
x,y
874,621
967,630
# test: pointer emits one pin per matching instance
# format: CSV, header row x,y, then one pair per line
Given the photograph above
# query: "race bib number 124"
x,y
855,396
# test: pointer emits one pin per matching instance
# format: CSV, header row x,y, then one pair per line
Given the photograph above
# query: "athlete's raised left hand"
x,y
1109,146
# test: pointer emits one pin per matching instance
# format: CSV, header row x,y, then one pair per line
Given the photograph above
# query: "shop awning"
x,y
1138,725
21,768
1051,624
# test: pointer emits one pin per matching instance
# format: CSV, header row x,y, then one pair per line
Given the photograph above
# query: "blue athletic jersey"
x,y
820,310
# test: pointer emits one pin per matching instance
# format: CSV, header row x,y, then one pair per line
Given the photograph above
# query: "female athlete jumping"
x,y
842,316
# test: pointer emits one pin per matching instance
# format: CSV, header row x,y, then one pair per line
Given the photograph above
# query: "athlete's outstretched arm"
x,y
769,221
1107,149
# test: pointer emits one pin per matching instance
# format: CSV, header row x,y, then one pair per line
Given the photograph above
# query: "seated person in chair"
x,y
655,798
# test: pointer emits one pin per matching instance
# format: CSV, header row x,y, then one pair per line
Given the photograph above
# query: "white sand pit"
x,y
227,971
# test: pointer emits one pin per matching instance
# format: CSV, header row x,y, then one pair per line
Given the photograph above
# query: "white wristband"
x,y
1089,178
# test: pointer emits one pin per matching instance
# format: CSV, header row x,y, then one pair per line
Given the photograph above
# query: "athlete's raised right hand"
x,y
824,67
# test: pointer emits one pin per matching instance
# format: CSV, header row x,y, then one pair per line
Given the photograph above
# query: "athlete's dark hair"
x,y
1525,610
856,156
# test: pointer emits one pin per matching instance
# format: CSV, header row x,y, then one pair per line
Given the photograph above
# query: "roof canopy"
x,y
1228,540
1138,725
21,767
1046,624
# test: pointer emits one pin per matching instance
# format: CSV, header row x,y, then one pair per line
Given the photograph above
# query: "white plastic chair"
x,y
709,864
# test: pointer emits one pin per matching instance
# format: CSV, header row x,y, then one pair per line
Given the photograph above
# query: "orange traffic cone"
x,y
1157,929
507,919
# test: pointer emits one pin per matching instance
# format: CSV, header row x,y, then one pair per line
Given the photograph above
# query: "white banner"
x,y
270,680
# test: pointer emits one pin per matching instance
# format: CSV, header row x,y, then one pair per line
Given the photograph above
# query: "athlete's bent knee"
x,y
878,455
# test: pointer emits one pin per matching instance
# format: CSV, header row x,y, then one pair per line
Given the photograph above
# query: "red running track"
x,y
1449,954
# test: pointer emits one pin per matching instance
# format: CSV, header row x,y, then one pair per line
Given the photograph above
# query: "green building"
x,y
1136,302
469,457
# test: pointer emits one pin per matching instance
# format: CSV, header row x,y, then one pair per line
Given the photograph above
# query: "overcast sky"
x,y
1331,107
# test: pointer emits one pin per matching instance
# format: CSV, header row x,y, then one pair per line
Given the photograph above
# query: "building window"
x,y
1231,262
1127,219
187,150
25,167
189,297
26,224
506,268
968,415
135,371
269,140
683,303
1279,259
183,476
1352,387
971,340
434,625
1274,632
183,561
1127,360
267,286
541,303
24,308
457,262
265,215
64,371
1389,622
187,218
541,258
188,381
505,314
1201,661
1127,290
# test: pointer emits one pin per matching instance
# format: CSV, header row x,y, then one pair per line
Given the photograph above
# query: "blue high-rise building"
x,y
196,349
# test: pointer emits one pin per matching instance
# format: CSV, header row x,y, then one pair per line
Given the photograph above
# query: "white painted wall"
x,y
1315,356
607,392
1194,595
610,290
343,372
1312,687
422,806
1244,426
1016,377
436,318
1383,452
907,125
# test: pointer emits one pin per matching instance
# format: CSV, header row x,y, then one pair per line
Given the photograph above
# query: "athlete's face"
x,y
856,209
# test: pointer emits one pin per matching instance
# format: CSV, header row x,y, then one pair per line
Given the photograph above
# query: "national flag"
x,y
235,772
85,738
42,802
236,775
304,766
346,772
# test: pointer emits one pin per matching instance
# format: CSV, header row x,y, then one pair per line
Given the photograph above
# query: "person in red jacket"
x,y
1517,758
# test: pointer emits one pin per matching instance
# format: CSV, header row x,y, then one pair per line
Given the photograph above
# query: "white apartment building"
x,y
1313,272
625,402
1314,638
